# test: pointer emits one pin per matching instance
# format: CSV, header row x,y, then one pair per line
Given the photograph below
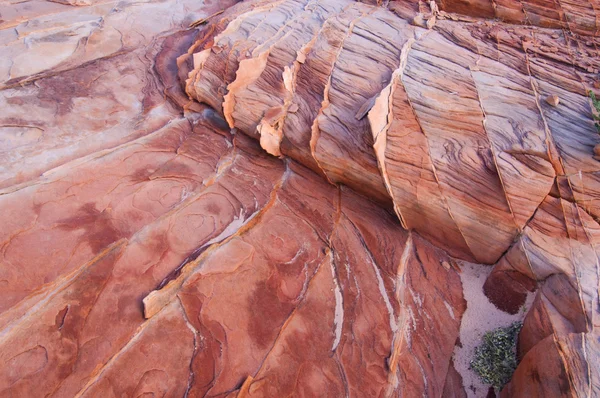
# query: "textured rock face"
x,y
576,17
148,248
480,133
160,254
467,146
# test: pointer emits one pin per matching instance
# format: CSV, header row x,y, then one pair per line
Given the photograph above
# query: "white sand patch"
x,y
481,316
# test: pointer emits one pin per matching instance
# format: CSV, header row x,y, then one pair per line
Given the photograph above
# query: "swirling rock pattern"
x,y
448,116
151,244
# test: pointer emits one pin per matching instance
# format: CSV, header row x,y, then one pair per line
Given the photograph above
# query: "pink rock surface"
x,y
455,113
151,245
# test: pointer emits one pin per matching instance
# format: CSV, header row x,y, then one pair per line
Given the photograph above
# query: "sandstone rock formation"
x,y
277,202
455,121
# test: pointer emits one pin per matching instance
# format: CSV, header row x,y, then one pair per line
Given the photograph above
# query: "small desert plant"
x,y
495,359
596,105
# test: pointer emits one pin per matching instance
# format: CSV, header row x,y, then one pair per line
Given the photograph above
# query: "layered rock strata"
x,y
479,133
152,245
145,251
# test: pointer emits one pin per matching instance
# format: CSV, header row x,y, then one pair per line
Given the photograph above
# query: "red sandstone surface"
x,y
296,197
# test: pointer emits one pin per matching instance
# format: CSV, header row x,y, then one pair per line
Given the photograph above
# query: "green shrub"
x,y
495,359
596,105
